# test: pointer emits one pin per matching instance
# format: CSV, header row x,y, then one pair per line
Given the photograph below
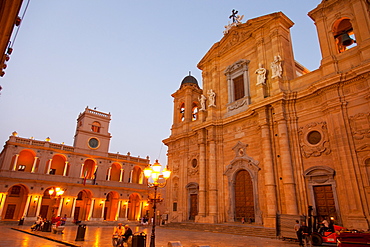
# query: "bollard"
x,y
174,244
47,226
139,240
20,223
81,233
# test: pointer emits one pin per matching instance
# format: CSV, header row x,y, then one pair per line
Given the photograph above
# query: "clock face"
x,y
93,143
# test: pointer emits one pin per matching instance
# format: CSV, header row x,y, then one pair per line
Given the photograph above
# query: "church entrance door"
x,y
193,206
244,198
324,200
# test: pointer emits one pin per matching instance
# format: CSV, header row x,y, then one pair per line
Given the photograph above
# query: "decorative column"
x,y
118,209
131,176
109,172
202,180
2,203
91,208
268,168
65,168
15,162
126,210
120,175
49,166
212,203
61,200
287,169
26,206
38,205
82,170
102,209
34,164
73,207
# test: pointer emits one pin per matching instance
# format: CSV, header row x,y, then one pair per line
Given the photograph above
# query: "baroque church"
x,y
264,138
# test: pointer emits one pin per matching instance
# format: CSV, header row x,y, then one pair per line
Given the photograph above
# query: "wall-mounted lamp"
x,y
101,203
67,201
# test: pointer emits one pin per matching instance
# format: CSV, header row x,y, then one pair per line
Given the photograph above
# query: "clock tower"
x,y
92,131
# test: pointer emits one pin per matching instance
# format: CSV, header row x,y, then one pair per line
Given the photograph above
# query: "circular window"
x,y
93,142
194,163
314,137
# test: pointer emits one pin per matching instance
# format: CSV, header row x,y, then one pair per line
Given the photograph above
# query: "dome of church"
x,y
189,79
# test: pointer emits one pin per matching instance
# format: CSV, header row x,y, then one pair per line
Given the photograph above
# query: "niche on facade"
x,y
314,139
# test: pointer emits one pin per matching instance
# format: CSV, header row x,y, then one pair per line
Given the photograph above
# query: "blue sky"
x,y
125,57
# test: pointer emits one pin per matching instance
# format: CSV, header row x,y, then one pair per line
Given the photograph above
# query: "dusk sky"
x,y
125,57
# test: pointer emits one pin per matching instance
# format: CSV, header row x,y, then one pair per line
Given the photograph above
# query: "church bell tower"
x,y
92,131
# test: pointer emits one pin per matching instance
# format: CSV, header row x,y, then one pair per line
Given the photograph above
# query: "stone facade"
x,y
83,181
277,140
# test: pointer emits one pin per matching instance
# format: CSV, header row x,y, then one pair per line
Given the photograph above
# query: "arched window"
x,y
182,112
95,127
194,112
343,34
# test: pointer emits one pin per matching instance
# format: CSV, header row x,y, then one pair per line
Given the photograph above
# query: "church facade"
x,y
84,181
265,138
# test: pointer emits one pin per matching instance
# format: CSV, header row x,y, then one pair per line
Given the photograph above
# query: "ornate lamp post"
x,y
156,178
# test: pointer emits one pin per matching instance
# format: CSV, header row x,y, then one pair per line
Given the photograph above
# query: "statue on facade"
x,y
261,75
236,20
211,98
202,99
276,68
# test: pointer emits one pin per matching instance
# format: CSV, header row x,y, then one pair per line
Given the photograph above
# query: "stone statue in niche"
x,y
276,68
211,98
261,75
202,100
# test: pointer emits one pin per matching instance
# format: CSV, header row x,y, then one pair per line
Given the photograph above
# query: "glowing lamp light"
x,y
51,191
166,173
156,166
147,172
47,139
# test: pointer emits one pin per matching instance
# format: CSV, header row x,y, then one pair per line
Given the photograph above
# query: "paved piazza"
x,y
101,236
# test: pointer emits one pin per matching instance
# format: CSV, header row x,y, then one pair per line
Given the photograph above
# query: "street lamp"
x,y
156,178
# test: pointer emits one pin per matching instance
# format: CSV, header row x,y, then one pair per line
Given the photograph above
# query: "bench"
x,y
58,230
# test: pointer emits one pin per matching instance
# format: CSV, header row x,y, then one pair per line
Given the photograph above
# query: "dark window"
x,y
314,137
174,206
16,190
238,87
194,163
52,171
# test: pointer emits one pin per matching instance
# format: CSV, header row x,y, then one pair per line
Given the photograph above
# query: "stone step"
x,y
237,229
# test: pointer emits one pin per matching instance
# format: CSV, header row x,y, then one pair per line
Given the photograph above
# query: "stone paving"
x,y
100,236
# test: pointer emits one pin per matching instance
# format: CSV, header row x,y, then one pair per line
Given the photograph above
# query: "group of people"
x,y
304,233
40,222
121,235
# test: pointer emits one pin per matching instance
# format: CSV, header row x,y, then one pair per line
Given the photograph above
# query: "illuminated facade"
x,y
265,138
83,181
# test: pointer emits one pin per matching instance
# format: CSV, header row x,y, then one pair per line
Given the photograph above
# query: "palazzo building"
x,y
264,138
83,181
